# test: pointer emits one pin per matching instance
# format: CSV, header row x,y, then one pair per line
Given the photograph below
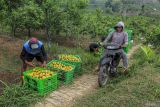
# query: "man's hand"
x,y
122,46
101,43
44,64
30,64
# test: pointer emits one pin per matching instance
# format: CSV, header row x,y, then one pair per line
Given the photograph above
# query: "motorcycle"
x,y
109,63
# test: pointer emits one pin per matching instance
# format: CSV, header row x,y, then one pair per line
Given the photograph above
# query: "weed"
x,y
17,96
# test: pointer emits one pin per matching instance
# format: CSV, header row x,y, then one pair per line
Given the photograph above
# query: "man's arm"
x,y
23,57
109,37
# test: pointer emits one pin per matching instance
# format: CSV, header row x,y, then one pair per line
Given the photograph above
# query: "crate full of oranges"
x,y
41,80
65,71
72,59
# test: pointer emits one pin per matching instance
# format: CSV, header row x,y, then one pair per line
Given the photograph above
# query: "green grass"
x,y
139,88
17,96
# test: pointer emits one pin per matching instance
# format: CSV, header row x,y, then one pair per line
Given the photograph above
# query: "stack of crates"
x,y
64,76
73,60
44,80
43,86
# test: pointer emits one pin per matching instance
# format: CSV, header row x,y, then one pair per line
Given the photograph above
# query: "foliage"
x,y
54,15
17,96
70,17
148,52
150,55
114,5
29,17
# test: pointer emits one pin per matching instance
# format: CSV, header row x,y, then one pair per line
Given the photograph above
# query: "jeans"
x,y
123,56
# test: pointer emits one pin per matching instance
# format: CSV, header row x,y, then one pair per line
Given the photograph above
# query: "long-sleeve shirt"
x,y
117,38
24,53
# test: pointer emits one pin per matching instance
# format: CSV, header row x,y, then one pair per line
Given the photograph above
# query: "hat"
x,y
33,40
120,24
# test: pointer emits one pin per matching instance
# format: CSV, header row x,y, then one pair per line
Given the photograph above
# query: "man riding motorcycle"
x,y
120,38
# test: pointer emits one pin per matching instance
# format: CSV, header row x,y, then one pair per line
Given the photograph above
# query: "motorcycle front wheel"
x,y
103,76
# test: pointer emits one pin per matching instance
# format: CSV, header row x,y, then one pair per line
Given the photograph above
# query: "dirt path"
x,y
132,51
65,96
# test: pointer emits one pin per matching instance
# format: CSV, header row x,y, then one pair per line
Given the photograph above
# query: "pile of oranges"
x,y
61,66
40,74
70,58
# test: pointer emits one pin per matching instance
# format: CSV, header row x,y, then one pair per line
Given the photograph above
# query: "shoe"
x,y
125,71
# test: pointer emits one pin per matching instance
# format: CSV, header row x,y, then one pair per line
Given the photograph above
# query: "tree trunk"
x,y
47,25
13,30
11,33
57,32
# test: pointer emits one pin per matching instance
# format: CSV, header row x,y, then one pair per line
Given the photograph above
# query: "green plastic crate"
x,y
78,65
43,86
129,34
65,77
126,50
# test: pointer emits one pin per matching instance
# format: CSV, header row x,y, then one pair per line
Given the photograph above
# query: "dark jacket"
x,y
27,51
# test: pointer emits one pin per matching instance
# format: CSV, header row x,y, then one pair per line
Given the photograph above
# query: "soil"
x,y
9,45
8,78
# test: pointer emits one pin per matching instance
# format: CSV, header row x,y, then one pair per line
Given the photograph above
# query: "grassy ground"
x,y
17,96
140,88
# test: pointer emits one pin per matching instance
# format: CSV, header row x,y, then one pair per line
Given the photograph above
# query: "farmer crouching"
x,y
33,48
